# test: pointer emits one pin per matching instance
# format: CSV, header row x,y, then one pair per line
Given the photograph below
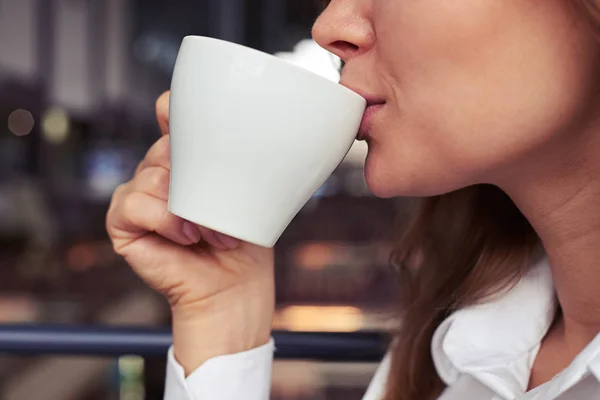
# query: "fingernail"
x,y
191,232
228,241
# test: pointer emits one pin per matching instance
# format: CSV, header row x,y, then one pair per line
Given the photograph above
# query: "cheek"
x,y
476,90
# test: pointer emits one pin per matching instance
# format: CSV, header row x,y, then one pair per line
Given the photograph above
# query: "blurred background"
x,y
78,82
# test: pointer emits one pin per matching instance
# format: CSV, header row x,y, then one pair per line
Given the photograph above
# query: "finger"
x,y
159,155
228,241
219,240
153,181
139,167
140,213
209,237
118,194
162,112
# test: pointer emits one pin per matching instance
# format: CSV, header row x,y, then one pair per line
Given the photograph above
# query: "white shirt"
x,y
482,352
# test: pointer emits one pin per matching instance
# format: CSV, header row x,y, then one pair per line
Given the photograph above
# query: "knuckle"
x,y
139,168
116,210
114,201
155,180
119,191
108,225
155,177
129,204
165,218
160,180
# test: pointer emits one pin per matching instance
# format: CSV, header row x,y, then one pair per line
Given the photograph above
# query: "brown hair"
x,y
459,249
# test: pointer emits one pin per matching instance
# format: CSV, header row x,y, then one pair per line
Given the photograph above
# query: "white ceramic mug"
x,y
253,137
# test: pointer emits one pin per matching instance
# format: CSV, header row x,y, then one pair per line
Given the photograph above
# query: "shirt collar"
x,y
497,341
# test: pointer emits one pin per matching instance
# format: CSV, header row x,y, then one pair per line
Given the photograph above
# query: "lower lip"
x,y
367,121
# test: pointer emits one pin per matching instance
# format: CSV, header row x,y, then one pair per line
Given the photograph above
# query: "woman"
x,y
491,110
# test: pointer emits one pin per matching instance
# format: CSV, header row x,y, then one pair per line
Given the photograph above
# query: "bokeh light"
x,y
56,125
20,122
315,256
319,318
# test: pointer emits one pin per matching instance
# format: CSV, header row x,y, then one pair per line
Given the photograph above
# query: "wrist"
x,y
199,335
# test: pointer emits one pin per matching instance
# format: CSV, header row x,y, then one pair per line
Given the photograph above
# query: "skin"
x,y
221,292
475,91
488,92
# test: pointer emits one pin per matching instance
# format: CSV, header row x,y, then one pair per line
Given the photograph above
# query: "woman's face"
x,y
464,91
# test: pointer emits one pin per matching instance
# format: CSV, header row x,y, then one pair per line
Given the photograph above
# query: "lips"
x,y
374,105
367,121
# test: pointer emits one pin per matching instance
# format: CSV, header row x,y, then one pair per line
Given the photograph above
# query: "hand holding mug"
x,y
221,290
249,138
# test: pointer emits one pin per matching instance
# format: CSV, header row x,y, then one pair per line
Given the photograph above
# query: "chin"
x,y
382,177
385,188
379,184
379,189
386,182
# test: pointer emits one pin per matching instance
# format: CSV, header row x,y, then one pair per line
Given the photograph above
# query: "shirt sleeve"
x,y
244,375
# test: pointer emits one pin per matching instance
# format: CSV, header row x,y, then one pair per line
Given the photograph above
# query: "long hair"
x,y
459,249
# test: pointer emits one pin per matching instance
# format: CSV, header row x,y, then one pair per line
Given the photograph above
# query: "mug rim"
x,y
272,58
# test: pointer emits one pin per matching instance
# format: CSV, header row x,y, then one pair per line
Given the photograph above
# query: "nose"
x,y
345,28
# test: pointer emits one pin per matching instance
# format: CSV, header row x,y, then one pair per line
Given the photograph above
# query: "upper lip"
x,y
372,100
